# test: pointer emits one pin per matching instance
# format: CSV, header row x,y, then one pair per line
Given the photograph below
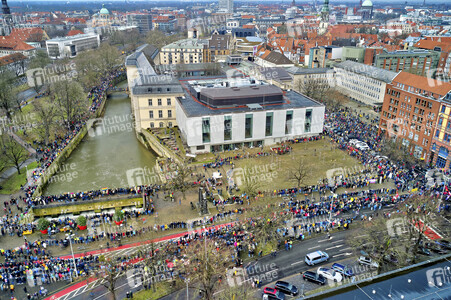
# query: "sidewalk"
x,y
85,282
137,244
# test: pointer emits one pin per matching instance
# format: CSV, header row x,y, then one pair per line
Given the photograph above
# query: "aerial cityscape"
x,y
225,150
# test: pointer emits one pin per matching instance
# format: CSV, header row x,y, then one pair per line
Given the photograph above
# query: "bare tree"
x,y
315,88
374,239
8,96
250,183
47,114
206,266
108,271
70,99
179,180
418,214
14,153
298,173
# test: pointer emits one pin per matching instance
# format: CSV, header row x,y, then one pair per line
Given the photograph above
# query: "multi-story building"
x,y
226,6
321,57
304,76
186,51
165,23
70,46
216,115
441,142
413,61
361,82
411,110
152,96
143,21
218,46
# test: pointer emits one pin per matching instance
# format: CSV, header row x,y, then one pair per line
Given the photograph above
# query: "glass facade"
x,y
268,127
248,126
205,130
227,128
289,122
308,120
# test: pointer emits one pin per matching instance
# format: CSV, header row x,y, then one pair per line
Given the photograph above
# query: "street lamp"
x,y
205,243
72,250
187,290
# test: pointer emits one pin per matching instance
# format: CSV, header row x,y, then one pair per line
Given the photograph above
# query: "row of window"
x,y
161,124
249,125
160,114
159,102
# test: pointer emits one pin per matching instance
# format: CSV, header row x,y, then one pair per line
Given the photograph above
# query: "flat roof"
x,y
370,71
194,108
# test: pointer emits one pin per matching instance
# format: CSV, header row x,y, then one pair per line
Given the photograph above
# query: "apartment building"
x,y
411,112
413,61
186,51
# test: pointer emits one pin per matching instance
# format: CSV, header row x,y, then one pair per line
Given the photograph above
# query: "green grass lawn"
x,y
13,183
162,289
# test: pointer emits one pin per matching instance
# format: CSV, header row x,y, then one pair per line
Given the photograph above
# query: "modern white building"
x,y
221,114
362,82
70,46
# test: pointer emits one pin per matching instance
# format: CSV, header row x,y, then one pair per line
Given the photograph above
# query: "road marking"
x,y
298,262
320,241
337,241
338,246
361,235
341,254
344,249
314,247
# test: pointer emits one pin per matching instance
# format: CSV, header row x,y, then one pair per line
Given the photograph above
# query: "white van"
x,y
316,258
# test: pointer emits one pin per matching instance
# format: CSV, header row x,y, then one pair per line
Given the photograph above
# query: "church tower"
x,y
7,18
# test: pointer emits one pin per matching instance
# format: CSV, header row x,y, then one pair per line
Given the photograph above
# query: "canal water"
x,y
109,154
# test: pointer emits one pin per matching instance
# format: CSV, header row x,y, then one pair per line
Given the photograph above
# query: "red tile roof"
x,y
428,84
12,58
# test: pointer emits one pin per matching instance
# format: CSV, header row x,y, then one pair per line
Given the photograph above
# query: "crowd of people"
x,y
344,207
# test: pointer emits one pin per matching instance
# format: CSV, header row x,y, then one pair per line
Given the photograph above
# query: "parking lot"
x,y
360,272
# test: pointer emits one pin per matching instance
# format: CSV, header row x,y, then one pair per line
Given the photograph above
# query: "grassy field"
x,y
317,158
162,289
13,183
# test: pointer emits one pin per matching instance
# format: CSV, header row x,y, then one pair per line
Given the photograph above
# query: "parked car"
x,y
330,274
362,146
436,248
273,293
316,258
354,141
286,288
391,258
424,251
314,277
363,260
342,269
444,244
